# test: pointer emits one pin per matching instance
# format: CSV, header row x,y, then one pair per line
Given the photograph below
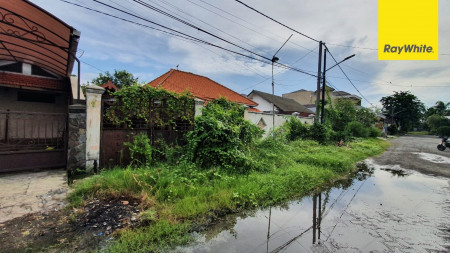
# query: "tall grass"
x,y
183,192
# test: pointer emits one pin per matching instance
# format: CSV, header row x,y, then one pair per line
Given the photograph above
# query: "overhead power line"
x,y
348,46
276,21
257,29
347,76
179,34
204,22
266,59
151,7
93,66
133,22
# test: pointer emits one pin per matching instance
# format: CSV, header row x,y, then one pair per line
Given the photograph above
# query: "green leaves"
x,y
121,78
223,138
140,150
404,108
157,107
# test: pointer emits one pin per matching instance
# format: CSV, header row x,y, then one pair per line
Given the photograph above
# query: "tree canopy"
x,y
439,108
121,78
405,109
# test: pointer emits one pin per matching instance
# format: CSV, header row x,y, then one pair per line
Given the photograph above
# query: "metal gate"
x,y
32,140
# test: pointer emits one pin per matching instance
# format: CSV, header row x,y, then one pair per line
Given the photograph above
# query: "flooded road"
x,y
382,208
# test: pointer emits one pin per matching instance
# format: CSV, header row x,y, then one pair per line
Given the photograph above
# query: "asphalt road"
x,y
417,153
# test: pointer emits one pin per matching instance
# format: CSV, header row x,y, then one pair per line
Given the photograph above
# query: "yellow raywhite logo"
x,y
408,30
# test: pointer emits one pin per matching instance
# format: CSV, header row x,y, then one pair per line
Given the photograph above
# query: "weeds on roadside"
x,y
178,193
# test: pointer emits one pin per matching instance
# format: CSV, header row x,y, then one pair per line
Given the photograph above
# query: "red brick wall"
x,y
30,81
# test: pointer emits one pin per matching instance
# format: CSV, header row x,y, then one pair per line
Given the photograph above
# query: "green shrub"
x,y
222,138
434,122
443,131
357,129
296,129
392,129
340,136
319,133
374,132
140,150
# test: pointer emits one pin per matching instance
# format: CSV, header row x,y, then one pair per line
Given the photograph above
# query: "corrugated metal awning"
x,y
32,35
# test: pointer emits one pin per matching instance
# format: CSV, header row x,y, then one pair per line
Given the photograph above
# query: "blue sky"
x,y
347,27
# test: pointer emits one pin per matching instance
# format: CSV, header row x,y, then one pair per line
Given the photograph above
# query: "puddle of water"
x,y
375,211
396,170
433,158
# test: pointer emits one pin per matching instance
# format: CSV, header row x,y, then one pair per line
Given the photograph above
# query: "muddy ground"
x,y
69,230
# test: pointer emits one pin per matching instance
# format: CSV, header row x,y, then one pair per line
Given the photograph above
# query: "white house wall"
x,y
263,105
255,117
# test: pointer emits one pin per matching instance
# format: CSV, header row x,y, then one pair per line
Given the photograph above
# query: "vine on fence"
x,y
144,103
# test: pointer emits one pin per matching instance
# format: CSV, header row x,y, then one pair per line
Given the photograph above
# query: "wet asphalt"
x,y
400,203
417,153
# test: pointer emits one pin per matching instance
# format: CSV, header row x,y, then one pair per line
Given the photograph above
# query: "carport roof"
x,y
32,35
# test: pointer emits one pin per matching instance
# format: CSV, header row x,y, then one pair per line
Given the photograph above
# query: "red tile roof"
x,y
253,110
30,81
199,86
110,86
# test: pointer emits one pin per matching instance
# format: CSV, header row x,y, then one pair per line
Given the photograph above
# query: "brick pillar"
x,y
93,118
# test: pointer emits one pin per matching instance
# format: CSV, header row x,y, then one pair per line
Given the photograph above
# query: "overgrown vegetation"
x,y
140,150
223,138
136,104
343,122
183,192
225,166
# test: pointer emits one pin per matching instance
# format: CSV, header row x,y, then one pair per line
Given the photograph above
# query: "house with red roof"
x,y
201,87
205,89
109,86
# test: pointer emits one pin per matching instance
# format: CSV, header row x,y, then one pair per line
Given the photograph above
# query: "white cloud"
x,y
113,44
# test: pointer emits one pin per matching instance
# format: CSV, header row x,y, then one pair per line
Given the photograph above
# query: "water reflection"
x,y
396,172
372,211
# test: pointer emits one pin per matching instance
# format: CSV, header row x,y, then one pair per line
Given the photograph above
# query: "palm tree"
x,y
441,107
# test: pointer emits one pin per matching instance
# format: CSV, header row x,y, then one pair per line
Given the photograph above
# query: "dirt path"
x,y
85,229
33,217
417,153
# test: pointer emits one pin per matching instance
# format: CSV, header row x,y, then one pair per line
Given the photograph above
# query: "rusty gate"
x,y
32,140
112,149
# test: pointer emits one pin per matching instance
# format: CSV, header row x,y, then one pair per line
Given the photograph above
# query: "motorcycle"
x,y
444,144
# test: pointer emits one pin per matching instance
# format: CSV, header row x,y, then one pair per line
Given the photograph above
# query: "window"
x,y
25,68
37,71
13,67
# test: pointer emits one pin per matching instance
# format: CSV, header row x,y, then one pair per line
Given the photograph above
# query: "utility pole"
x,y
324,81
275,59
322,111
316,119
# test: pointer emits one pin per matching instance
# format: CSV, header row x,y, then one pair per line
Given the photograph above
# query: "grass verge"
x,y
419,133
182,194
